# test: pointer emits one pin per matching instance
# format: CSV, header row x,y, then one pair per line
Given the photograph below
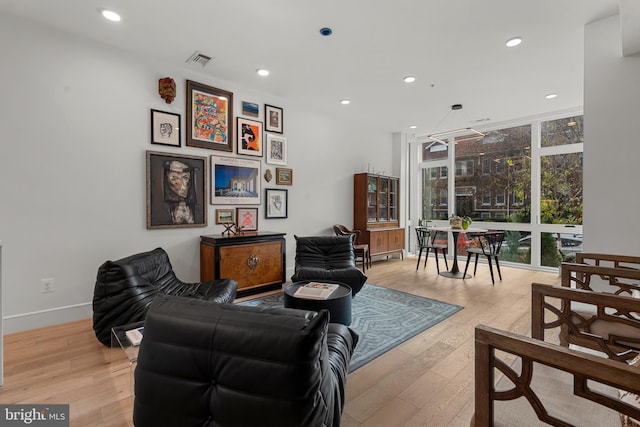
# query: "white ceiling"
x,y
455,48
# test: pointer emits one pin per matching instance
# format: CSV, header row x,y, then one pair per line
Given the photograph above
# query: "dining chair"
x,y
360,251
426,240
489,245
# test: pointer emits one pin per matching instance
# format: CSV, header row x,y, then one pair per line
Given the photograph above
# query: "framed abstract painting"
x,y
249,137
209,117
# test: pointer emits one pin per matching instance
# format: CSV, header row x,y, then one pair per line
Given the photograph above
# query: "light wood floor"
x,y
426,381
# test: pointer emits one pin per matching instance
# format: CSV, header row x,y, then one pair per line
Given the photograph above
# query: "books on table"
x,y
135,335
315,290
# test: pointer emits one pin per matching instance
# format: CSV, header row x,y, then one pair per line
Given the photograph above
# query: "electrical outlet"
x,y
46,285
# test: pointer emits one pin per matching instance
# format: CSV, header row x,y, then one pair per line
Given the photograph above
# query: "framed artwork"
x,y
249,137
284,176
235,181
209,117
272,118
276,203
224,216
165,128
276,149
247,219
176,190
250,109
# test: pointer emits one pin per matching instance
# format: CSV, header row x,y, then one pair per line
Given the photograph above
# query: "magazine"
x,y
135,335
315,290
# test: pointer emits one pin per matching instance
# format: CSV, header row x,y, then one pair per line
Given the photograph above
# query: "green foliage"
x,y
551,256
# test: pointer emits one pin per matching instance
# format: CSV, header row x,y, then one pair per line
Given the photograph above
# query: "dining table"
x,y
455,272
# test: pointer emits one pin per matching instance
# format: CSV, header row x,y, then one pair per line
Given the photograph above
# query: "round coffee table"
x,y
338,303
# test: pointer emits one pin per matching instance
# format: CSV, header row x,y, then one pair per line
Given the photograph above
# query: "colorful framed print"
x,y
284,176
250,109
273,118
209,117
235,181
176,190
165,128
247,219
224,216
276,147
276,203
249,133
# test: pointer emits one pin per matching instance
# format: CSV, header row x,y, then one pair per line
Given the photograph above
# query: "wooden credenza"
x,y
385,241
257,261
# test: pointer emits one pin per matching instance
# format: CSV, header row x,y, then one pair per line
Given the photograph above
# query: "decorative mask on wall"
x,y
167,89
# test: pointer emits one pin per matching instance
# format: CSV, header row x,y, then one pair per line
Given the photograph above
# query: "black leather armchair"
x,y
125,288
223,365
328,258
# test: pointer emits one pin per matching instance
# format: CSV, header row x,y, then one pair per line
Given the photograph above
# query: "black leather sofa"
x,y
327,258
223,365
125,288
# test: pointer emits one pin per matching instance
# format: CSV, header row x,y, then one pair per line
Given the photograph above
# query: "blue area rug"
x,y
383,318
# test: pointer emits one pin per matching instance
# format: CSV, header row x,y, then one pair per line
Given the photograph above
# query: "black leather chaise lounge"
x,y
125,288
224,365
328,258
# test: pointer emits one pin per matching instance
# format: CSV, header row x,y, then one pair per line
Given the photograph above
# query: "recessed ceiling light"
x,y
412,126
345,102
514,41
551,95
409,79
110,15
262,72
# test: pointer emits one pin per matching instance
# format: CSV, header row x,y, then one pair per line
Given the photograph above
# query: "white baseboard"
x,y
53,316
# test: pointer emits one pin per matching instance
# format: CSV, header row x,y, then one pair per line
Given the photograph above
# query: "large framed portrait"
x,y
249,137
276,149
273,118
165,128
277,202
235,181
176,190
209,117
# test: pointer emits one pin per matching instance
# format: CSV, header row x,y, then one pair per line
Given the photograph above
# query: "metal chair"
x,y
360,251
426,240
489,245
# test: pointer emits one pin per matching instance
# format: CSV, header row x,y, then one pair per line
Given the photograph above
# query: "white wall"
x,y
612,142
75,127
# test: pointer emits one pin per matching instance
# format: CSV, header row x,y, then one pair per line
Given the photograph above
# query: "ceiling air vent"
x,y
198,58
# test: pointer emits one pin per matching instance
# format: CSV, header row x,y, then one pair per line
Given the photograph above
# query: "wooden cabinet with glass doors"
x,y
376,213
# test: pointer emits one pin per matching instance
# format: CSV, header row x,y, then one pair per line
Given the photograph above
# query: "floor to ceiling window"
x,y
525,179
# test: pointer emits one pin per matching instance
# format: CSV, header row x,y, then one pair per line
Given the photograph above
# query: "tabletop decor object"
x,y
455,222
466,222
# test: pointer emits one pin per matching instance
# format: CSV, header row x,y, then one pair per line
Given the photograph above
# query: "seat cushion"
x,y
555,390
603,327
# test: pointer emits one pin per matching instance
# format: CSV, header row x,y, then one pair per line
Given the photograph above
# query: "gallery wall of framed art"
x,y
180,187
